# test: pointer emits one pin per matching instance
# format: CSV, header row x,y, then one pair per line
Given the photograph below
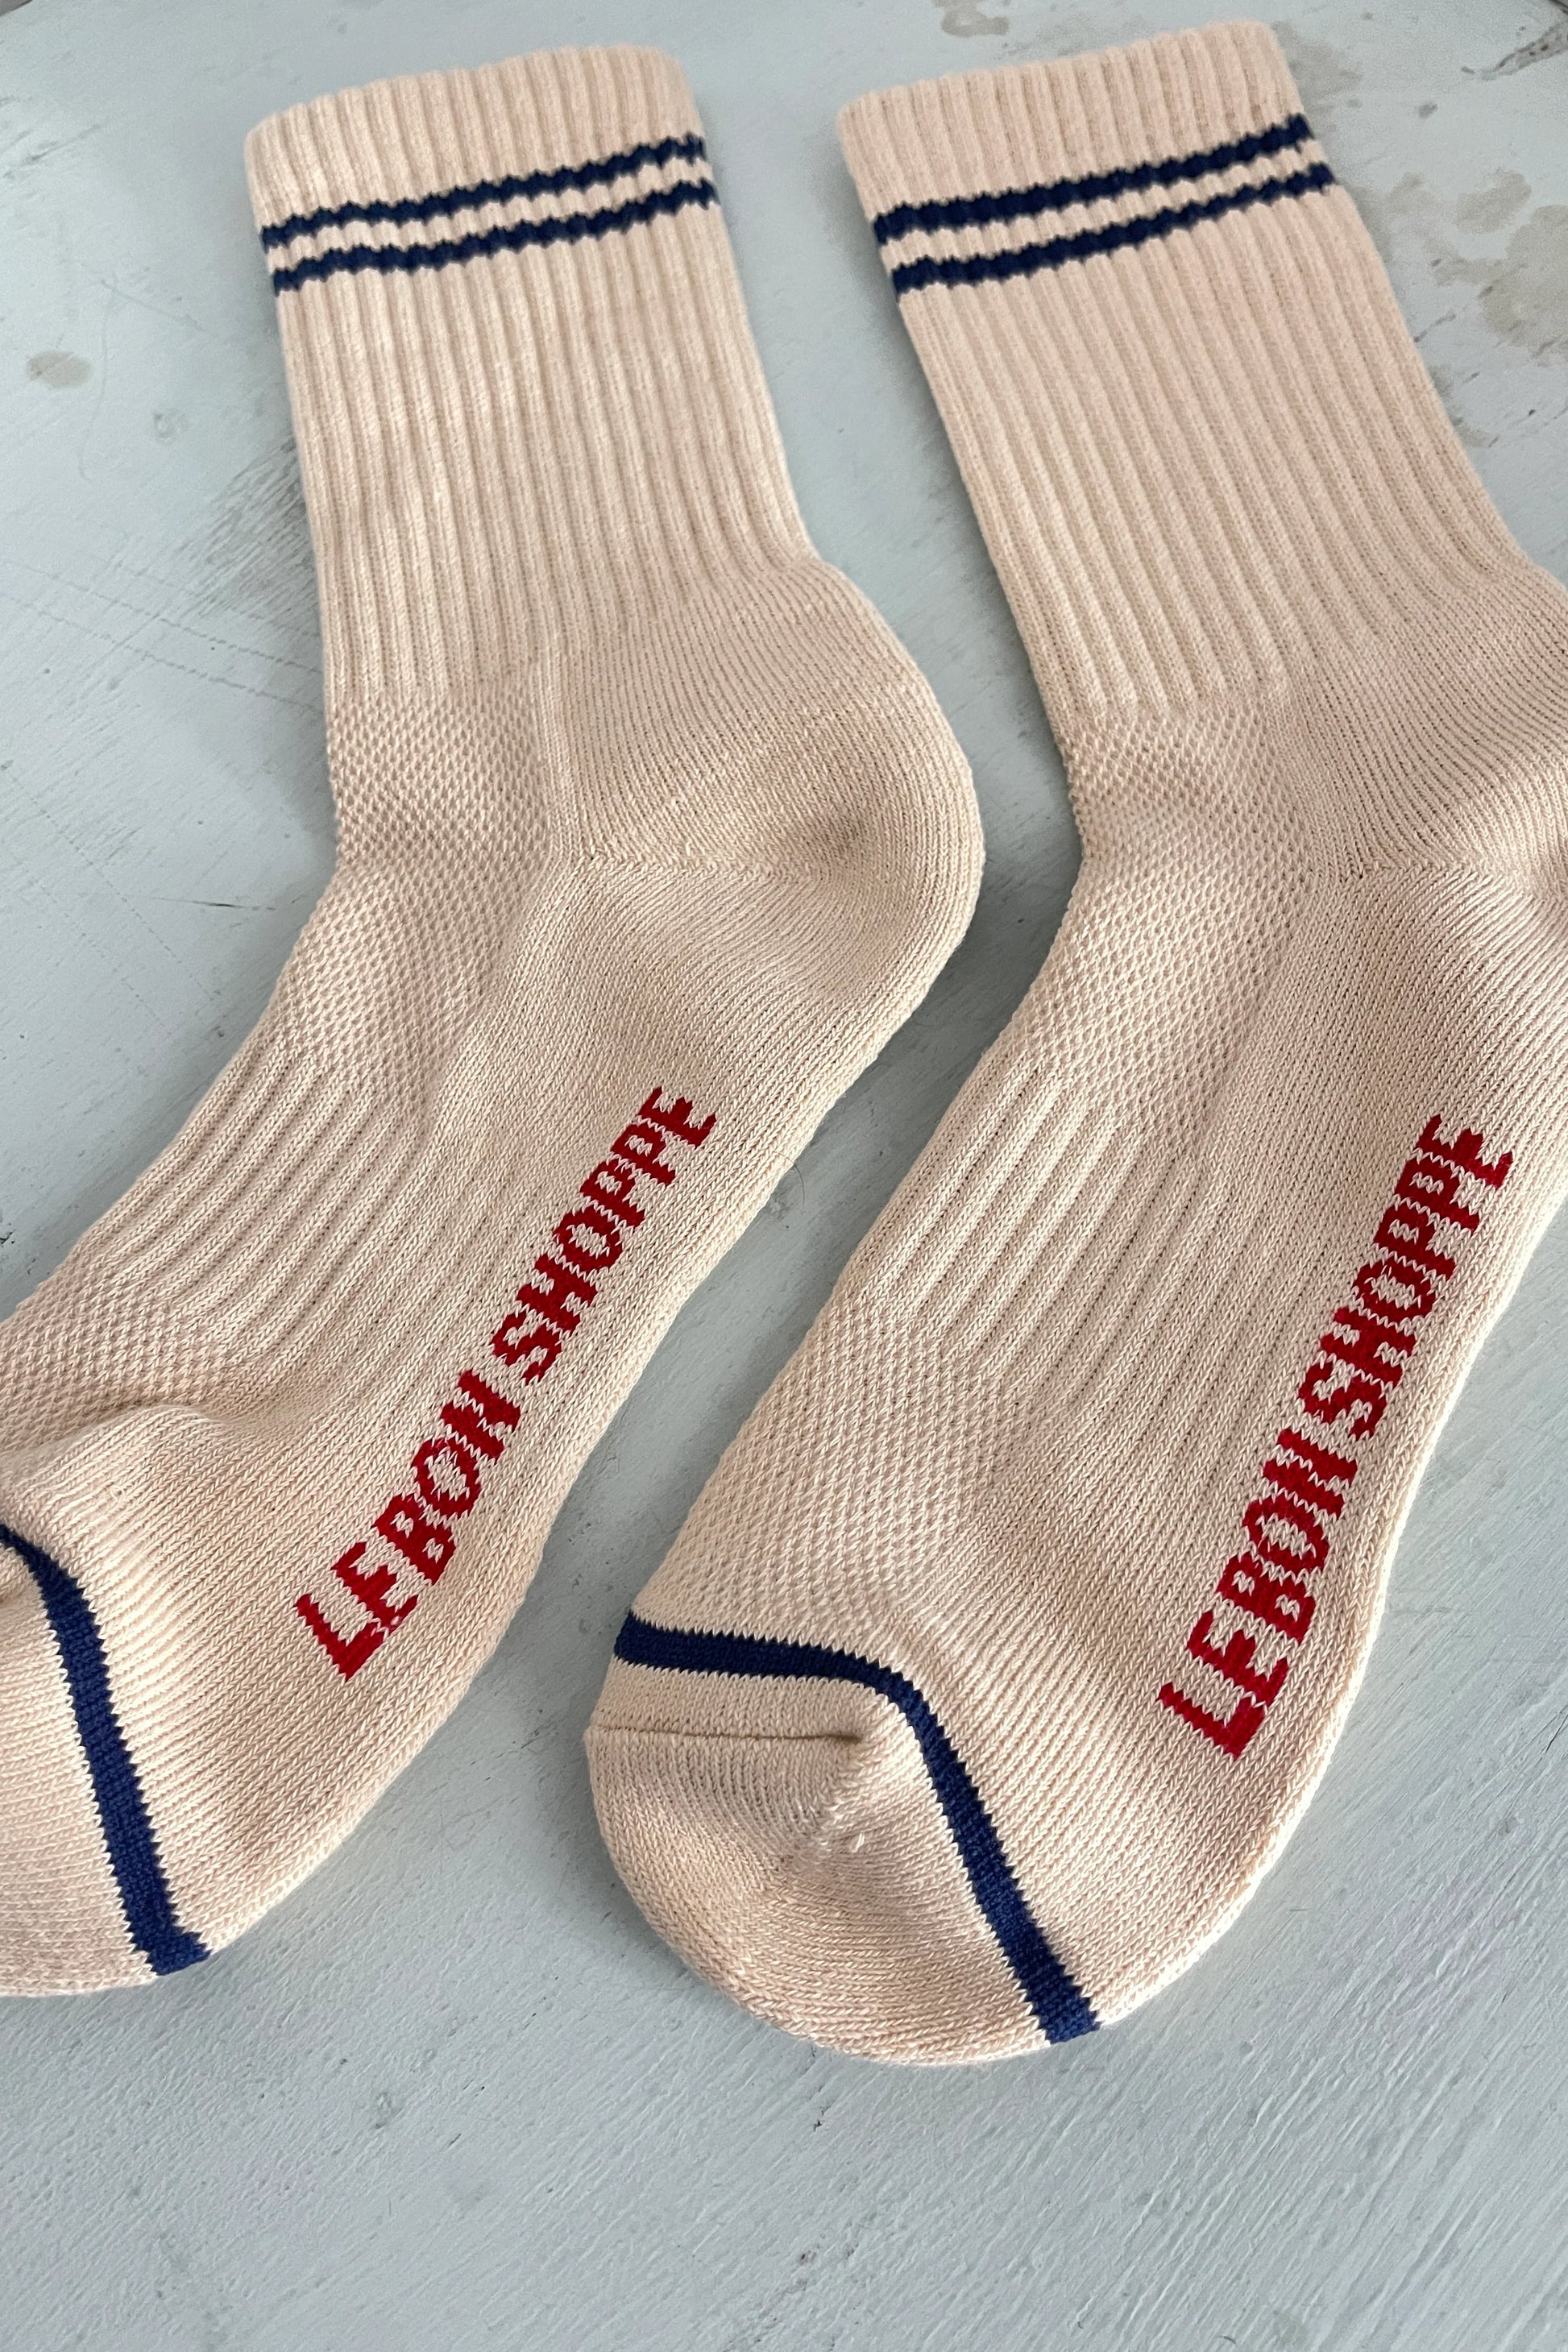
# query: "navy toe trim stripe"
x,y
512,236
1022,261
144,1894
594,174
1057,196
1061,2009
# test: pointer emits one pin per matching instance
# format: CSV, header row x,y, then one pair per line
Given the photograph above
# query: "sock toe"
x,y
62,1921
786,1836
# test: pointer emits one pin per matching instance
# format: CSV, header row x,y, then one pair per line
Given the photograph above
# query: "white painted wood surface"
x,y
455,2094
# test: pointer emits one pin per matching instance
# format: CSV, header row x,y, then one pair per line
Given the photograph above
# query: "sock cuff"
x,y
923,154
526,399
351,170
1198,436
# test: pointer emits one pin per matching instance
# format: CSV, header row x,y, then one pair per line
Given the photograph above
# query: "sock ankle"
x,y
1006,1644
650,835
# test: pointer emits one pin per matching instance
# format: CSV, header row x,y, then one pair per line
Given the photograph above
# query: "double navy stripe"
x,y
596,175
960,214
1060,2010
566,229
972,270
507,236
144,1894
1058,196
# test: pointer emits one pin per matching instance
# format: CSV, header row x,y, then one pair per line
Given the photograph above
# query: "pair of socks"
x,y
1011,1636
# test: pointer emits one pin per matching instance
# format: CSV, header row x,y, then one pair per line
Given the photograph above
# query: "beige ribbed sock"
x,y
1012,1636
649,836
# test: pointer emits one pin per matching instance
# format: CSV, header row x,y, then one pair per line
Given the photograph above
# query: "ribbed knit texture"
x,y
1102,1447
649,835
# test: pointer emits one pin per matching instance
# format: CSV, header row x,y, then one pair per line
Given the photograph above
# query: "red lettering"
x,y
1234,1662
1279,1510
1434,1184
347,1656
1341,1397
480,1416
520,1341
552,1303
477,1419
1290,1524
1282,1602
1407,1233
1365,1352
372,1590
612,1187
451,1452
1465,1151
1327,1465
1289,1477
676,1119
418,1537
1421,1288
602,1228
644,1146
1230,1732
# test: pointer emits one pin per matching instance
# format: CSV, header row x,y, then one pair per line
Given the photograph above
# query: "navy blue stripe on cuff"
x,y
568,229
1056,195
687,149
1024,260
144,1894
1060,2010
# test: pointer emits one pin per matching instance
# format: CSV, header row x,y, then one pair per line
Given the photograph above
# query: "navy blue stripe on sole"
x,y
1057,196
513,237
144,1894
596,175
1060,2010
974,269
